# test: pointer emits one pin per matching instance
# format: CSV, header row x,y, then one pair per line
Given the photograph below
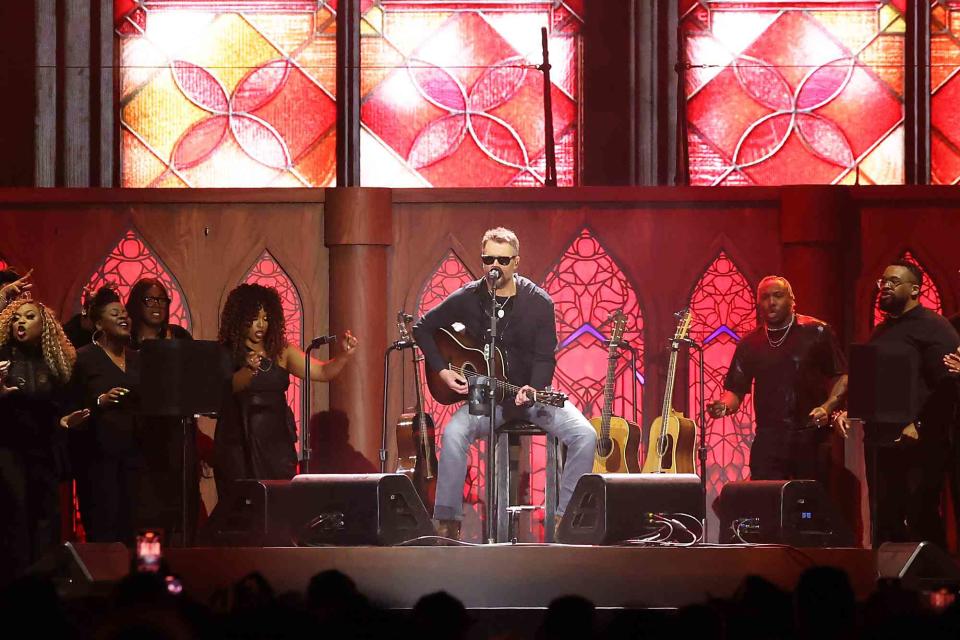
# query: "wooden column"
x,y
820,258
812,222
358,230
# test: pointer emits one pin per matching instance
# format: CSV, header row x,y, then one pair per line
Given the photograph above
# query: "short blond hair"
x,y
503,235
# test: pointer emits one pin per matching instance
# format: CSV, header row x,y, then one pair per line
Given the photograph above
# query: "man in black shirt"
x,y
527,335
798,373
910,460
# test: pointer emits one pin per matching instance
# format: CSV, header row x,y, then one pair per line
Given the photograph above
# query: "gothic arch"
x,y
723,308
130,259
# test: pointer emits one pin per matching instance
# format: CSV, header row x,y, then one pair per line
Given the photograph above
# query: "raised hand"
x,y
11,290
349,344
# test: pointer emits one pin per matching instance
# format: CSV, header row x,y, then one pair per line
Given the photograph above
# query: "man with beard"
x,y
527,334
797,371
910,460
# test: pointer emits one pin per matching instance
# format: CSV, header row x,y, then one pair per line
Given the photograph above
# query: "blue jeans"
x,y
566,423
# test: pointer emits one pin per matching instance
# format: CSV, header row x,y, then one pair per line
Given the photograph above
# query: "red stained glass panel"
x,y
267,271
132,259
221,94
723,310
944,91
587,285
783,93
451,98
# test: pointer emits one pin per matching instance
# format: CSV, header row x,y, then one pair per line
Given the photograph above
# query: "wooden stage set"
x,y
504,576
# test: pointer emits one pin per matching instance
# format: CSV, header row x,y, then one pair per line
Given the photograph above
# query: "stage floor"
x,y
522,575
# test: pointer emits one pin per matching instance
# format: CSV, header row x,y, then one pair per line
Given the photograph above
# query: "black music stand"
x,y
182,379
882,394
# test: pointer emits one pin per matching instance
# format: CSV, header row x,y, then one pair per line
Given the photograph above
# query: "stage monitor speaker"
x,y
613,507
793,512
80,563
922,566
319,509
883,383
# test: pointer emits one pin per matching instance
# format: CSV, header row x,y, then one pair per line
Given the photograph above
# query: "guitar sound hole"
x,y
604,446
666,460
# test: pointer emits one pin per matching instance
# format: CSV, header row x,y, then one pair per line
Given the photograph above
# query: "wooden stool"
x,y
507,514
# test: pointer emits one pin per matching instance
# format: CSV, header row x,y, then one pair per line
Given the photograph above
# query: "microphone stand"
x,y
305,424
550,177
491,349
399,345
702,419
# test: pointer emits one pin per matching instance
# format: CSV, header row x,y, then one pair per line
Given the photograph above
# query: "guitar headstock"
x,y
684,318
619,320
551,397
403,325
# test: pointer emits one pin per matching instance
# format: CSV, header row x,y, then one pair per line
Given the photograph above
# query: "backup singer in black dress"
x,y
105,381
161,439
36,361
256,433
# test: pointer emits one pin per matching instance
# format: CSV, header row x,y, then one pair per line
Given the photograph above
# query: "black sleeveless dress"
x,y
256,432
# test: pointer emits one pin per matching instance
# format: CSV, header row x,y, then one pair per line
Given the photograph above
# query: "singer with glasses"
x,y
162,438
527,335
796,369
256,432
906,471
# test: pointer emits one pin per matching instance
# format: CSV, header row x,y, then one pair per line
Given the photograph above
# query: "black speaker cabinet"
x,y
613,507
794,512
319,509
918,565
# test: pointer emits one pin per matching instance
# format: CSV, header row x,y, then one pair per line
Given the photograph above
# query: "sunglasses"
x,y
501,260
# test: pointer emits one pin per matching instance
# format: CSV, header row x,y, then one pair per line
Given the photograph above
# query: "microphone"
x,y
494,274
316,342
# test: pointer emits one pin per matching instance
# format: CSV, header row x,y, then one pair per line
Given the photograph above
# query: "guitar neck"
x,y
668,390
608,397
418,393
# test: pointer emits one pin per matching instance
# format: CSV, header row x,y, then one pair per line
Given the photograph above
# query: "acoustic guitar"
x,y
465,355
673,437
416,433
618,440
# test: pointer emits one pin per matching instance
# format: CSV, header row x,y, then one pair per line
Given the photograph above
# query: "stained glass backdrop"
x,y
130,260
723,308
783,92
267,271
450,97
226,94
587,285
945,91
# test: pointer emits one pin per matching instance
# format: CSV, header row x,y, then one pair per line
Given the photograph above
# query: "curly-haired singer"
x,y
255,432
36,361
